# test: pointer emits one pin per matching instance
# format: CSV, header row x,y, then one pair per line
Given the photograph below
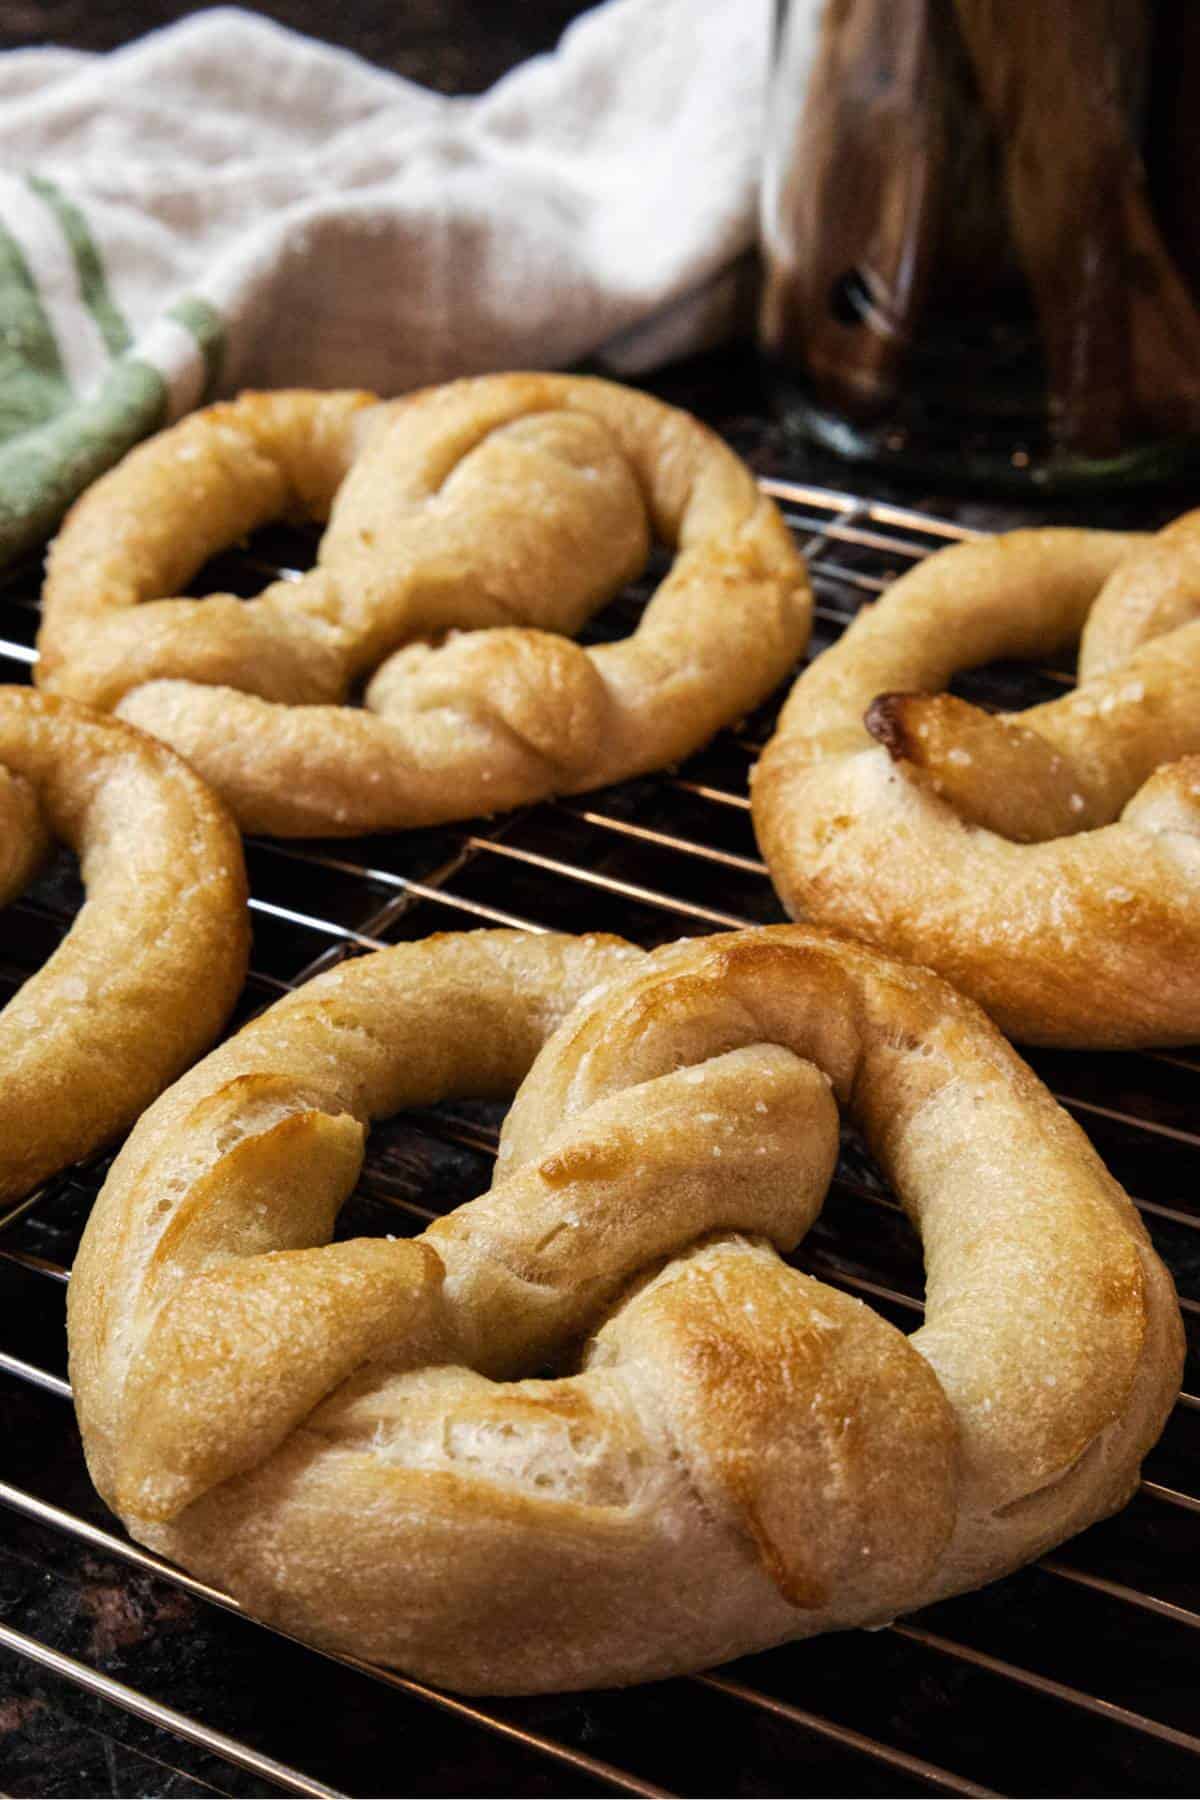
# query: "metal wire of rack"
x,y
1075,1676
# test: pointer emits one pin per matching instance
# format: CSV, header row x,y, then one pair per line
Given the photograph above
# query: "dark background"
x,y
456,46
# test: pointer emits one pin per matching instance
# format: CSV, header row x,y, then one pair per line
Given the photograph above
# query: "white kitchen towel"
x,y
225,203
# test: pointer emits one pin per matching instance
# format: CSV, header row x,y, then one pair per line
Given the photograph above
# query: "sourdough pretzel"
x,y
155,958
1048,862
507,507
348,1437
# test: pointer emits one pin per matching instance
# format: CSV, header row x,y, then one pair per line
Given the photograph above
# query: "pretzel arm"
x,y
329,770
154,958
1152,591
1069,765
1025,594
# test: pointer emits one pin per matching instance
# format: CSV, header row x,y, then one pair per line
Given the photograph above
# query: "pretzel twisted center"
x,y
1047,862
505,508
357,1438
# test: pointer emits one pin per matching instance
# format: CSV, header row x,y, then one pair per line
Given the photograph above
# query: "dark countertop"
x,y
51,1741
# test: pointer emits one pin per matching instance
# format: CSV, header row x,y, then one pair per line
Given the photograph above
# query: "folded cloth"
x,y
225,203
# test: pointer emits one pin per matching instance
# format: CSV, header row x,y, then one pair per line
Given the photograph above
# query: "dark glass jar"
x,y
981,223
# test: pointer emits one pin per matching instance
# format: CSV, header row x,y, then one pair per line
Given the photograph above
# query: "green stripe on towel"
x,y
33,386
89,266
42,470
53,445
208,328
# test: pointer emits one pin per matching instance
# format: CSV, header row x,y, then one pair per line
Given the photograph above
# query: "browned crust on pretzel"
x,y
1031,792
1013,854
505,509
357,1439
152,964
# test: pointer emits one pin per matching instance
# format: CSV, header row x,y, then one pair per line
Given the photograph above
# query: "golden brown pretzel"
x,y
154,960
1047,862
355,1439
517,504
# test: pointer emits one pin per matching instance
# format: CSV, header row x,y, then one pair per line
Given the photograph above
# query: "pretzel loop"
x,y
507,507
155,958
1047,862
359,1439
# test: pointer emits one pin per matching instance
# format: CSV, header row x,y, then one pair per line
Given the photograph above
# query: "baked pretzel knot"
x,y
154,960
356,1438
1048,862
507,508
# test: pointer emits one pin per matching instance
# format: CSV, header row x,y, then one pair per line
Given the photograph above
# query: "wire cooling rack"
x,y
122,1675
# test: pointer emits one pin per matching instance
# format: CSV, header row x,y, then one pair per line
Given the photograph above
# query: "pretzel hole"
x,y
281,551
417,1164
36,923
861,1209
618,617
1011,687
